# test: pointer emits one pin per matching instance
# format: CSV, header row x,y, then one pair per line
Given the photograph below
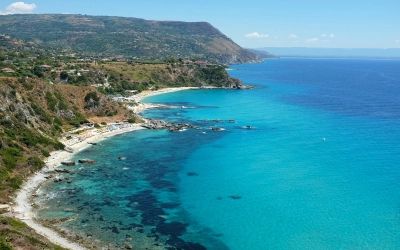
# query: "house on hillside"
x,y
32,58
8,61
202,64
44,67
8,70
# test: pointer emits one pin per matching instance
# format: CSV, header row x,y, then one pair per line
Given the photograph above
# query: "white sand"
x,y
22,208
148,93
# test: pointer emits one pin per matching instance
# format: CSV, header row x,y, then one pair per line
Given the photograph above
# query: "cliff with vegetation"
x,y
33,114
128,37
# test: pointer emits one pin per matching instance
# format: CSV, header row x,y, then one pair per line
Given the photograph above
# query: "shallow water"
x,y
317,169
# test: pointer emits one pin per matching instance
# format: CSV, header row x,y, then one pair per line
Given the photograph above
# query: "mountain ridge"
x,y
127,36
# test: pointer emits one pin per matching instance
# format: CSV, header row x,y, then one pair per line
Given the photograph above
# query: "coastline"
x,y
22,208
147,93
140,107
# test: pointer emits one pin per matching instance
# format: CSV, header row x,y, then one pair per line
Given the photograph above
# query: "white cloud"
x,y
312,40
256,35
331,36
323,35
19,8
293,36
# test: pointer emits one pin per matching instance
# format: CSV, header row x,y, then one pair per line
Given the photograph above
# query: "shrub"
x,y
16,182
28,86
57,121
4,245
58,145
35,162
45,153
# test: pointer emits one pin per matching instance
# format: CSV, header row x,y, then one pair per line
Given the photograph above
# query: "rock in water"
x,y
68,163
87,161
192,174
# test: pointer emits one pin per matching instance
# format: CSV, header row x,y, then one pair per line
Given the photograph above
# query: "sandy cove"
x,y
140,107
23,209
148,93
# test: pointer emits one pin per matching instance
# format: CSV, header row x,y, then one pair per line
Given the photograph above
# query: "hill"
x,y
263,54
128,37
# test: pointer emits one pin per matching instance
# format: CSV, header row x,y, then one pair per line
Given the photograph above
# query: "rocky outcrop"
x,y
235,83
160,124
68,163
87,161
156,124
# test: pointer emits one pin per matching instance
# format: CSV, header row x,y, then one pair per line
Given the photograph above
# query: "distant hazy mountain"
x,y
131,37
262,53
333,52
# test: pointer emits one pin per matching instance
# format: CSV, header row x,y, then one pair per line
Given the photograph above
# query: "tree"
x,y
63,75
37,71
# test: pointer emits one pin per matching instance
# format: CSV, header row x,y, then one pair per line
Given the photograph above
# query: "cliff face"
x,y
32,116
129,37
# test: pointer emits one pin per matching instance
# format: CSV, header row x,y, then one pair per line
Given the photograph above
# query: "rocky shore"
x,y
23,207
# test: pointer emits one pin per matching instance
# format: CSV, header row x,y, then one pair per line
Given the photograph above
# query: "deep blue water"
x,y
318,169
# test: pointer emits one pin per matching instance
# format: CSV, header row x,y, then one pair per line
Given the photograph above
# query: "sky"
x,y
253,23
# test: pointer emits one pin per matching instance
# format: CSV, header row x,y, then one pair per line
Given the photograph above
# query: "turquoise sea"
x,y
317,168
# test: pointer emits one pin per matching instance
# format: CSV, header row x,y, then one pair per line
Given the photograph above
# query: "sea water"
x,y
308,159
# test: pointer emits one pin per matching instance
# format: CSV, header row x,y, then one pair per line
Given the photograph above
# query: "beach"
x,y
22,208
140,107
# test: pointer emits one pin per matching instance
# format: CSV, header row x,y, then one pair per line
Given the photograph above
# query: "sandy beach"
x,y
148,93
140,107
23,209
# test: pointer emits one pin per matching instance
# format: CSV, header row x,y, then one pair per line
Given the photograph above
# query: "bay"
x,y
306,160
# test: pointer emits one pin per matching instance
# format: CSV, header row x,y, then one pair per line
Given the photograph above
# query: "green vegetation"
x,y
15,234
35,114
130,38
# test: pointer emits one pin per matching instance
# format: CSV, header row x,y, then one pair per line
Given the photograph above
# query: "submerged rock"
x,y
191,174
235,197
